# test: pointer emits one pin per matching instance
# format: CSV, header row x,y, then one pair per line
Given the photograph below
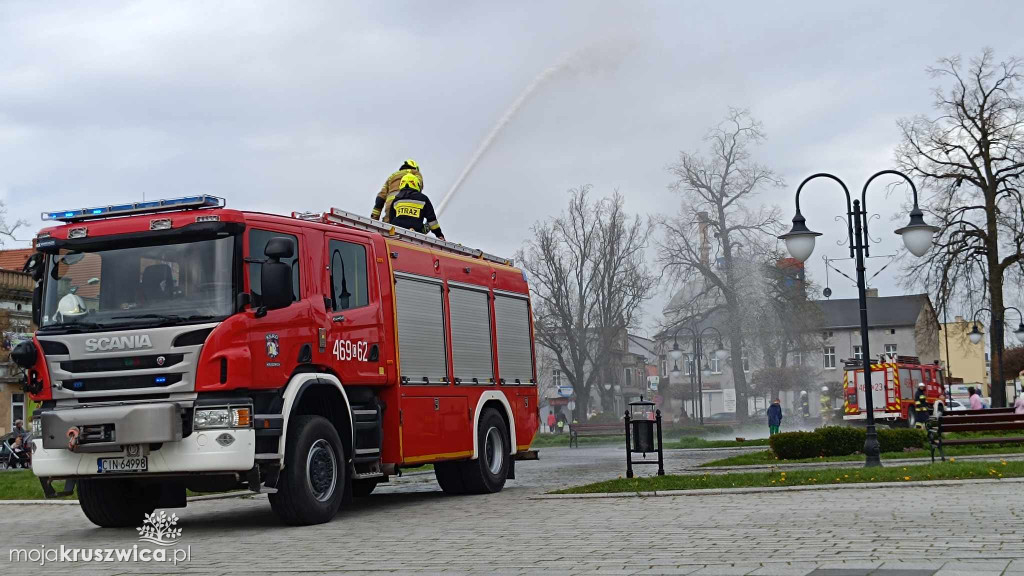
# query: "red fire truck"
x,y
182,344
894,381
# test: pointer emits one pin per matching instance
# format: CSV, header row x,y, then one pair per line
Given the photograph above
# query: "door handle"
x,y
338,318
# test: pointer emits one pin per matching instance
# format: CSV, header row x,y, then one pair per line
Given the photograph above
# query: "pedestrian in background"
x,y
1018,404
975,398
774,417
551,421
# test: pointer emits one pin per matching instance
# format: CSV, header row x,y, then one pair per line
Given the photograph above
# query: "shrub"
x,y
841,440
898,440
796,445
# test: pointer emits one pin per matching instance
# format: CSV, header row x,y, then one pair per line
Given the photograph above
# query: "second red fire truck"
x,y
894,381
182,344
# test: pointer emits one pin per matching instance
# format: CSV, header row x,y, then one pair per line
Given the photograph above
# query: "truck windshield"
x,y
113,285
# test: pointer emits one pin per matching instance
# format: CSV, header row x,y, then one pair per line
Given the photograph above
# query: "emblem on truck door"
x,y
273,346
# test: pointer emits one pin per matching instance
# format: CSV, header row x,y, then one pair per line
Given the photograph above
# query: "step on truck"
x,y
185,345
894,381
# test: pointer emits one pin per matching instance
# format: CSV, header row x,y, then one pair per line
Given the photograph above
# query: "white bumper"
x,y
199,452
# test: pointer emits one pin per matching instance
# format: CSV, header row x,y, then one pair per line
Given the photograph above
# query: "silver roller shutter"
x,y
515,355
471,335
421,343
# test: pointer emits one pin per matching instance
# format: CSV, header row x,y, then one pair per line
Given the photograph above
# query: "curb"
x,y
238,494
764,489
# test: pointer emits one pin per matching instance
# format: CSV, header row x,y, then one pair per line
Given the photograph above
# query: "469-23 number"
x,y
346,350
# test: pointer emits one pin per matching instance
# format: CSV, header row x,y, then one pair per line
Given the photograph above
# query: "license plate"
x,y
135,464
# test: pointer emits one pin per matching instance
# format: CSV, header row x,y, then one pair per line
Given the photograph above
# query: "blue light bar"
x,y
151,206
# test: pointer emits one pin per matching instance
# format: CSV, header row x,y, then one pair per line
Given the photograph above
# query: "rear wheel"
x,y
117,502
487,474
449,477
312,484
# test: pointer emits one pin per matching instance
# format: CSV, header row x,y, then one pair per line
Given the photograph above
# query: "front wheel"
x,y
312,484
117,502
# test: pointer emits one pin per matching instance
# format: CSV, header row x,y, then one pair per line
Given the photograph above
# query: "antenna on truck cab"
x,y
341,217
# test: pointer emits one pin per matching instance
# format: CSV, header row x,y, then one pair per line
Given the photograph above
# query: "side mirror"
x,y
276,275
279,248
34,266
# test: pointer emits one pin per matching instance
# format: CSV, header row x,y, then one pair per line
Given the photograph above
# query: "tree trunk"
x,y
995,284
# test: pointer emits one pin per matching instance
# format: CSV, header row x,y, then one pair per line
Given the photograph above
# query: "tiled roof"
x,y
882,311
14,259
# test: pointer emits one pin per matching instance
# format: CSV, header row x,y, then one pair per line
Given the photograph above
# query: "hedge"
x,y
841,441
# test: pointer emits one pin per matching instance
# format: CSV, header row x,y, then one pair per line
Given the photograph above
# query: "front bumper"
x,y
199,452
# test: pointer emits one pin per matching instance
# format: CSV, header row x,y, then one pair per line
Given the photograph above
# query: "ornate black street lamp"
x,y
917,236
695,360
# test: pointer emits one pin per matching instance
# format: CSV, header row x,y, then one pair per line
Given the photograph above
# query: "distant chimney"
x,y
871,292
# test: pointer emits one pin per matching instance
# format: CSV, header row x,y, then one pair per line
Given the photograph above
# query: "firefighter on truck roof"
x,y
389,190
410,208
921,406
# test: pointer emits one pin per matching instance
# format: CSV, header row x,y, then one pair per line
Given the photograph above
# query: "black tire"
x,y
487,474
312,484
363,488
117,502
449,477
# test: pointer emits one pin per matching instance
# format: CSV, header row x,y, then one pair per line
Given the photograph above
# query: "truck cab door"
x,y
354,310
277,337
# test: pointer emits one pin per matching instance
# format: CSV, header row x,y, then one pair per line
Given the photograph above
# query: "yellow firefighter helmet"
x,y
410,181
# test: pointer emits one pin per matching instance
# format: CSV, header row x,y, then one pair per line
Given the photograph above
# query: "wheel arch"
x,y
498,401
318,394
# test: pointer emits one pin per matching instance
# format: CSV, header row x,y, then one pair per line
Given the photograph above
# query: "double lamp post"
x,y
917,236
695,362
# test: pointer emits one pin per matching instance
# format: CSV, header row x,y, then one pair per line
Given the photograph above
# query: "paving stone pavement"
x,y
411,527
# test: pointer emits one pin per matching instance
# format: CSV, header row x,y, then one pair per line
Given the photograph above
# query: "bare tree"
x,y
8,228
589,279
715,190
970,158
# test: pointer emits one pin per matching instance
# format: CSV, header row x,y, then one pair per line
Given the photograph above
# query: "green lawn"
x,y
562,440
557,440
22,485
938,471
767,457
695,442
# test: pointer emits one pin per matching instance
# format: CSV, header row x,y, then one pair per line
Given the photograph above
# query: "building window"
x,y
827,334
798,359
716,367
890,348
17,408
688,367
892,331
664,367
829,357
629,378
858,353
745,360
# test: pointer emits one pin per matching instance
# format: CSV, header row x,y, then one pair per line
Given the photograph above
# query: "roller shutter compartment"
x,y
515,354
471,335
421,334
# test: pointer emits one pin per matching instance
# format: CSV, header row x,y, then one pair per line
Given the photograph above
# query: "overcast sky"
x,y
306,105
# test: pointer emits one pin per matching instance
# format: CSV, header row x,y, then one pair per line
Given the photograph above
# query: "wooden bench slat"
x,y
986,440
982,426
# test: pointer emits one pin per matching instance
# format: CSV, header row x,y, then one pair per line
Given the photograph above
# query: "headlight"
x,y
212,418
224,417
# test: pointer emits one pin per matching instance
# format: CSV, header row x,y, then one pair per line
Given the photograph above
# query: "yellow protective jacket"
x,y
382,204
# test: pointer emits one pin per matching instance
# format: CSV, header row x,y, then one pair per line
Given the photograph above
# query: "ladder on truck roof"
x,y
336,216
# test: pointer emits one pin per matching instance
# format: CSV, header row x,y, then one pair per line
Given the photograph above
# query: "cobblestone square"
x,y
411,527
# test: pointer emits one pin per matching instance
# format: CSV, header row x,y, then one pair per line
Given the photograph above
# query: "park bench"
x,y
996,419
577,430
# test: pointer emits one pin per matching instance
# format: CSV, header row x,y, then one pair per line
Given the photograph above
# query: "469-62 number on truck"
x,y
349,350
